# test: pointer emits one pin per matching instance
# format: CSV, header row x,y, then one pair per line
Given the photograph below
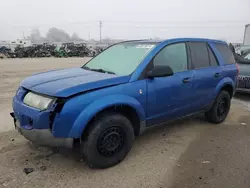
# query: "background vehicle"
x,y
244,74
247,56
121,92
243,50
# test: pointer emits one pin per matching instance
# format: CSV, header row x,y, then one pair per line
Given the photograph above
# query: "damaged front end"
x,y
37,125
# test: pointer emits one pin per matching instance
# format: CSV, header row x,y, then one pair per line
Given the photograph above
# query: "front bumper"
x,y
42,137
36,125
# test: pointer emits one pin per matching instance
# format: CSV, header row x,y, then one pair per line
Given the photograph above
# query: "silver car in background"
x,y
244,74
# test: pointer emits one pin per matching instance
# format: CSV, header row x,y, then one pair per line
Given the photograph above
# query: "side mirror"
x,y
160,71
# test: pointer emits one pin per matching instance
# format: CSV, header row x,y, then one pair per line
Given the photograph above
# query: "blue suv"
x,y
131,86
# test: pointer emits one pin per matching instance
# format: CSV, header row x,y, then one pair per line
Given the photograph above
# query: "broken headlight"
x,y
38,101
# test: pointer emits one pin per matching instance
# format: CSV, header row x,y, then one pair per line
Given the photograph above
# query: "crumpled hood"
x,y
67,82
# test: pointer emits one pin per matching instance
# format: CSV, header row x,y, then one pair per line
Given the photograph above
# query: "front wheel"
x,y
108,140
218,113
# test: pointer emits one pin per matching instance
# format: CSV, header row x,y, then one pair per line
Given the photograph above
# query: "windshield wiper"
x,y
98,70
103,71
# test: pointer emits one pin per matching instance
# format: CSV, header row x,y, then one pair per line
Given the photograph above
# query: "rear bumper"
x,y
42,137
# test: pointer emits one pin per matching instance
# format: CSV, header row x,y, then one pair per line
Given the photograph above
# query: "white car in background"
x,y
247,56
240,50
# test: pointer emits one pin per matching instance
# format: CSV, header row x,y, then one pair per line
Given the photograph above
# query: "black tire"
x,y
108,140
218,113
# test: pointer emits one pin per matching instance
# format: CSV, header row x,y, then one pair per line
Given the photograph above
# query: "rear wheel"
x,y
108,140
218,113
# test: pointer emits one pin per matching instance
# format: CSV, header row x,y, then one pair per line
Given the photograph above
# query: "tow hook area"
x,y
12,115
42,137
14,118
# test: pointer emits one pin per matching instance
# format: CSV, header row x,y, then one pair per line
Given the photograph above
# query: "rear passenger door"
x,y
207,73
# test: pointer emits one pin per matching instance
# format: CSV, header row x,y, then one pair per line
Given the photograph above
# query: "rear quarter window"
x,y
226,53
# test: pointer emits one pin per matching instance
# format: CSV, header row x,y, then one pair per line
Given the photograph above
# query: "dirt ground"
x,y
186,154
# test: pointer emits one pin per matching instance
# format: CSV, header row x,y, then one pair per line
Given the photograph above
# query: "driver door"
x,y
171,96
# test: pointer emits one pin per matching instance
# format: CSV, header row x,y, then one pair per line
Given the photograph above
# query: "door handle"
x,y
216,75
186,80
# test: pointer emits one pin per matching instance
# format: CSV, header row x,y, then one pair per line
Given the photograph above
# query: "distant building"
x,y
13,44
237,44
22,42
246,40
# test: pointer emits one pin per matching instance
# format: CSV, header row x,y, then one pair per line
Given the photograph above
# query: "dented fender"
x,y
98,105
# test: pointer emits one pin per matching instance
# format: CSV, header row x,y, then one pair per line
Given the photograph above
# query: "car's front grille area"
x,y
244,82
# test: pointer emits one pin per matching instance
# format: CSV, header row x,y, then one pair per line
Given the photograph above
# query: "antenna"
x,y
100,27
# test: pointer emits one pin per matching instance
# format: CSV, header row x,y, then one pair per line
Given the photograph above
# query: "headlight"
x,y
38,101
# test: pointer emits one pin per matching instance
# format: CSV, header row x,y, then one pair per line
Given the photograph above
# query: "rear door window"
x,y
199,55
226,53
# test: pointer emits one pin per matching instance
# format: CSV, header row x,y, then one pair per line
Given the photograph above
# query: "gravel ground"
x,y
187,153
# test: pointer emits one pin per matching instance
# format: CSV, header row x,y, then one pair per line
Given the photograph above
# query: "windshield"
x,y
120,59
244,47
247,57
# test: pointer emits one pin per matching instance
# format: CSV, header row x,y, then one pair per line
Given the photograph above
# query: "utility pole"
x,y
100,27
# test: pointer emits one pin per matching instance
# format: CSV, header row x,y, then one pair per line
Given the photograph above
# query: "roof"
x,y
175,40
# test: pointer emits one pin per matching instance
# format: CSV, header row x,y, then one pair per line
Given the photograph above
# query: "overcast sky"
x,y
127,19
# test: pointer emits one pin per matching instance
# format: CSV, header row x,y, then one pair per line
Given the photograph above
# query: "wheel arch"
x,y
229,89
125,105
226,84
122,109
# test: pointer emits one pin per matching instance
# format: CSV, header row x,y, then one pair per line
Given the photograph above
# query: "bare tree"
x,y
35,36
57,35
75,37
